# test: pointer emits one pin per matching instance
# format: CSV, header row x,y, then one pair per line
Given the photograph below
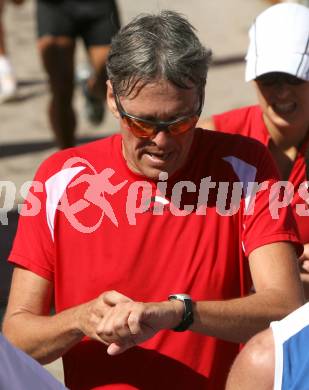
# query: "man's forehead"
x,y
157,86
130,89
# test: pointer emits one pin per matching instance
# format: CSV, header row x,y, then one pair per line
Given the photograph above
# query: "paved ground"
x,y
25,138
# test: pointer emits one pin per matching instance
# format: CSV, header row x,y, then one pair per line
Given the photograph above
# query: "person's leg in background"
x,y
95,90
97,33
56,45
8,85
57,55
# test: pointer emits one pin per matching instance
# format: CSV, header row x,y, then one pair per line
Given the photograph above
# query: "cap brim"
x,y
294,64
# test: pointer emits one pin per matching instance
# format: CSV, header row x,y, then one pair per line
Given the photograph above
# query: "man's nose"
x,y
161,137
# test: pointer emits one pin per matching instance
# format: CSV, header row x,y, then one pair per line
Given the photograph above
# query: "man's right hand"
x,y
127,323
91,314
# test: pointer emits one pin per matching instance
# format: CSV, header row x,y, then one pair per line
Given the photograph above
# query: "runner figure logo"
x,y
99,185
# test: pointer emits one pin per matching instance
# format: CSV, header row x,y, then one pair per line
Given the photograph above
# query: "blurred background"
x,y
25,136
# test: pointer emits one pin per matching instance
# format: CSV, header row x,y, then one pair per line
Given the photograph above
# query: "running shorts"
x,y
95,21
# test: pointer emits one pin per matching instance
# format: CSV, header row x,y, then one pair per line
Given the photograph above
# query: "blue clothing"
x,y
291,337
19,371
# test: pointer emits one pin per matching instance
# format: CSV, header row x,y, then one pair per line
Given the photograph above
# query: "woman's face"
x,y
284,100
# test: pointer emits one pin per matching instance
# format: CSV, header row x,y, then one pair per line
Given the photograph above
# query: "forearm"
x,y
45,338
239,319
28,325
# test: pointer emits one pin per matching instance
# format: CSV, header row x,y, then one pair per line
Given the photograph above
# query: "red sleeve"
x,y
269,220
33,246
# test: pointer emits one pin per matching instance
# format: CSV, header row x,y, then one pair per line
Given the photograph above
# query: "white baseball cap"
x,y
279,42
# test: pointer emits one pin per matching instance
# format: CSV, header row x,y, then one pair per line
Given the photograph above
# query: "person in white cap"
x,y
278,65
277,358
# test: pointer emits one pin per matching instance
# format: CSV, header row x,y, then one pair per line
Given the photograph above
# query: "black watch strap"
x,y
187,318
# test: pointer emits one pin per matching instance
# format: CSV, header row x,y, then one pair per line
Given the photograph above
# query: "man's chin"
x,y
154,173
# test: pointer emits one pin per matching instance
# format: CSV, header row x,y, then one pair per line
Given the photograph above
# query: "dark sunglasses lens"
x,y
183,126
139,128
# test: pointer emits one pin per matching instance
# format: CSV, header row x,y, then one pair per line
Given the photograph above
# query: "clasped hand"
x,y
121,323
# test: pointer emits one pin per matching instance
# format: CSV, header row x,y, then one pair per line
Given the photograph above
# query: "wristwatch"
x,y
187,318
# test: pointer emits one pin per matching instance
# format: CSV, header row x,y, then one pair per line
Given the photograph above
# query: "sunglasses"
x,y
270,79
144,128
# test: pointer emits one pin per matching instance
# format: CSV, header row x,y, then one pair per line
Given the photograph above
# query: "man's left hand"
x,y
127,324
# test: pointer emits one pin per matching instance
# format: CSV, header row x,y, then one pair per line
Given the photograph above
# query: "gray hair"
x,y
153,47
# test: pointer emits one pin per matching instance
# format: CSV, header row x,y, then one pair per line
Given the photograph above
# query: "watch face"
x,y
181,297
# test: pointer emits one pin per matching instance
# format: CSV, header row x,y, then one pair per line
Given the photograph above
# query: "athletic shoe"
x,y
8,86
94,106
83,72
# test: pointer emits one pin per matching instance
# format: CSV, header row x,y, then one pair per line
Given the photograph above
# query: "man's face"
x,y
157,101
284,102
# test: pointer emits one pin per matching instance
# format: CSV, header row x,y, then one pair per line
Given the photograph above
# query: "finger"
x,y
114,326
305,255
113,297
104,328
116,349
305,265
100,339
121,327
134,322
117,328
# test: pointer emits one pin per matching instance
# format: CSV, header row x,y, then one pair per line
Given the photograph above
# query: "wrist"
x,y
177,311
188,316
78,322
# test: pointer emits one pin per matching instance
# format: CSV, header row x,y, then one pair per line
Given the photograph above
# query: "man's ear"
x,y
110,100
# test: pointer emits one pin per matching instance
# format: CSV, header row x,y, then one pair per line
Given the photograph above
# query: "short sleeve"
x,y
268,216
33,246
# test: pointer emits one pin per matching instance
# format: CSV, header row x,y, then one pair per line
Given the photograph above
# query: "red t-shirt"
x,y
249,121
99,242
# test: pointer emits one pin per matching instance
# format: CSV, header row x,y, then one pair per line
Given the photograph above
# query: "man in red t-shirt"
x,y
278,64
163,212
